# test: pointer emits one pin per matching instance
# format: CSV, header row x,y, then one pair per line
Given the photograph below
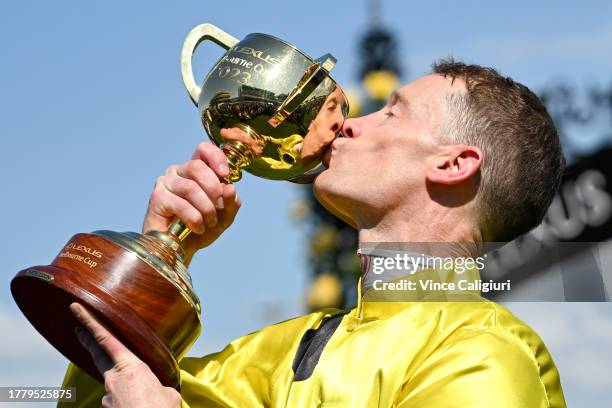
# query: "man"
x,y
462,156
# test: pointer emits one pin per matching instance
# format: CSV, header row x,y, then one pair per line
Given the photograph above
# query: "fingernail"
x,y
223,168
220,204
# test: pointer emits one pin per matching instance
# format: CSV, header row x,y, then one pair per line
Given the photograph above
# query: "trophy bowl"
x,y
288,108
274,93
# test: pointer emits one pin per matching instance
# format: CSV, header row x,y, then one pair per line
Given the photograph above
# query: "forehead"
x,y
432,86
424,96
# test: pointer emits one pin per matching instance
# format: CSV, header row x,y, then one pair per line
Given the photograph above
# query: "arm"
x,y
485,368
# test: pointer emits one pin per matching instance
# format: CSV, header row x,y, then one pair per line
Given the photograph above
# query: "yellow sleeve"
x,y
486,368
203,380
243,374
89,392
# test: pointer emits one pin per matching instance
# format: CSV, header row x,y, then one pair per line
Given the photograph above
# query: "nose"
x,y
351,128
335,125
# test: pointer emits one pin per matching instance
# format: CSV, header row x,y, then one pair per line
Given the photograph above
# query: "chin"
x,y
325,187
330,194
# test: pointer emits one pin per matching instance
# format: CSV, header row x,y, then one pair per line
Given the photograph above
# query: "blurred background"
x,y
93,110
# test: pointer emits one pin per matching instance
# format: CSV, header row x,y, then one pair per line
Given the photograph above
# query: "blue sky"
x,y
93,110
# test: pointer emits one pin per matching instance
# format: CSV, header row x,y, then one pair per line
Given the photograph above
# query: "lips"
x,y
331,149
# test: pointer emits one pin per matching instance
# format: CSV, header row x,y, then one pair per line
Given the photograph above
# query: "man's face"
x,y
324,127
384,157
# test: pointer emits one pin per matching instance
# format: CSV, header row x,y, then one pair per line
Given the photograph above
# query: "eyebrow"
x,y
395,94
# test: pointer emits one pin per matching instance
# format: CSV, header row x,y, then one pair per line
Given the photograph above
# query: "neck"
x,y
448,231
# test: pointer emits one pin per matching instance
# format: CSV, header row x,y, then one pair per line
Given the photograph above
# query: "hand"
x,y
128,381
193,193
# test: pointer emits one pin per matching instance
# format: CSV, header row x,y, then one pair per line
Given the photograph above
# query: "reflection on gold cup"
x,y
271,90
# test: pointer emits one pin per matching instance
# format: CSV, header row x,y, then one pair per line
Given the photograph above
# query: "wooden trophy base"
x,y
118,279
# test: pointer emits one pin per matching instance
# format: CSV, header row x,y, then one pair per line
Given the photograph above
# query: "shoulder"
x,y
490,320
255,359
462,319
488,338
274,340
294,327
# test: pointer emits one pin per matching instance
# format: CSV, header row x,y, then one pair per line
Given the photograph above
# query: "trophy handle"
x,y
194,38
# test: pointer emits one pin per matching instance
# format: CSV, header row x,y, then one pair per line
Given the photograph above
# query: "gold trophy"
x,y
137,284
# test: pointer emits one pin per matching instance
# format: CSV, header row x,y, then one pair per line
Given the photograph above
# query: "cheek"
x,y
364,170
398,162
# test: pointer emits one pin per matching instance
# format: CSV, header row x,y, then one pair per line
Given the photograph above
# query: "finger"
x,y
213,157
110,345
164,205
231,197
171,170
101,360
155,222
199,172
190,191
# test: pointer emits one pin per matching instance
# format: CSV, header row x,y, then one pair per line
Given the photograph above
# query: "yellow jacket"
x,y
378,354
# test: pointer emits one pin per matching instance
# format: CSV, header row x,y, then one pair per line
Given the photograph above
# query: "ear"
x,y
455,165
